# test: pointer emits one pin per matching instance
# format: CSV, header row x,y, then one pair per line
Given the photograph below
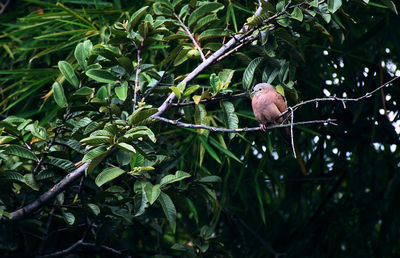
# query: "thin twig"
x,y
291,131
343,100
162,76
3,6
138,48
191,37
226,130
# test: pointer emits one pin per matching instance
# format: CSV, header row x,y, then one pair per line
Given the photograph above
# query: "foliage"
x,y
81,82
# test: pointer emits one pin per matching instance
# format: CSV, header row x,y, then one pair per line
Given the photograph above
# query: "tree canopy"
x,y
126,128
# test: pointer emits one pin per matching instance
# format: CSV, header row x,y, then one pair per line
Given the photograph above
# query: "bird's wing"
x,y
280,102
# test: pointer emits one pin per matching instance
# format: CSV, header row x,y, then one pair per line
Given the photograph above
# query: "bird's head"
x,y
261,87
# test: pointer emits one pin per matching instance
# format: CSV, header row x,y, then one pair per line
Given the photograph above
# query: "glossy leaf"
x,y
19,151
108,175
59,96
68,72
101,76
248,74
169,210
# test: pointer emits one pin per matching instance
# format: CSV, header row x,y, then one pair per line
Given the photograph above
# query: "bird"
x,y
267,105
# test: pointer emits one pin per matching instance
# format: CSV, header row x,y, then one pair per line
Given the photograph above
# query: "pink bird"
x,y
267,105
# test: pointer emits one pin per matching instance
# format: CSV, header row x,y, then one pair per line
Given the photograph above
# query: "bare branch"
x,y
191,37
226,130
138,48
49,195
343,100
291,131
3,6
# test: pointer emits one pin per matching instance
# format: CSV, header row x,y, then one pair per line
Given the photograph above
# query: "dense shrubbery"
x,y
94,158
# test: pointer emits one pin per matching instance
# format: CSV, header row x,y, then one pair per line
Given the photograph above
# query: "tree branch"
x,y
191,37
343,100
138,48
226,130
49,195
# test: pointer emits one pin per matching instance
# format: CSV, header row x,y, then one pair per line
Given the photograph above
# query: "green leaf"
x,y
122,91
192,209
140,199
297,14
82,53
93,208
314,3
141,115
63,164
152,192
176,91
191,90
169,179
223,149
210,179
162,10
95,161
213,33
203,10
203,22
248,74
37,131
96,140
208,148
136,16
389,4
126,147
126,63
101,76
169,210
19,151
69,218
68,72
13,176
59,96
31,182
107,175
231,119
84,91
94,153
334,5
136,160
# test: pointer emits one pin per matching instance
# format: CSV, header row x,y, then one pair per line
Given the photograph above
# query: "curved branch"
x,y
49,195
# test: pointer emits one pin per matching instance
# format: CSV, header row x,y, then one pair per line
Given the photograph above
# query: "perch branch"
x,y
226,130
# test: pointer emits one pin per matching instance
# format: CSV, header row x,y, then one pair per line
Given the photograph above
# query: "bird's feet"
x,y
263,127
